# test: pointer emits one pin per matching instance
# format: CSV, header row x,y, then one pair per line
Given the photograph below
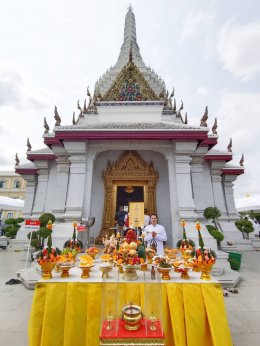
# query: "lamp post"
x,y
88,222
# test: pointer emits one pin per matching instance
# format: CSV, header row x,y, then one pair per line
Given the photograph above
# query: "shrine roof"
x,y
130,126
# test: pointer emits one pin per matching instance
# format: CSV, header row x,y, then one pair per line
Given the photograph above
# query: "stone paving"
x,y
243,308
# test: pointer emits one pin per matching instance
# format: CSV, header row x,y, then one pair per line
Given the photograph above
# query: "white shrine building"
x,y
130,137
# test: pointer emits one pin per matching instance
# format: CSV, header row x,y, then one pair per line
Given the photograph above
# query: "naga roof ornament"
x,y
229,147
29,147
214,127
203,120
46,126
241,162
57,117
17,161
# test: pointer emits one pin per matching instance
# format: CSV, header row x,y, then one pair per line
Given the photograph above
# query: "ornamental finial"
x,y
57,117
78,106
181,107
203,120
214,127
130,8
229,147
17,161
174,105
73,119
90,98
29,147
241,162
46,126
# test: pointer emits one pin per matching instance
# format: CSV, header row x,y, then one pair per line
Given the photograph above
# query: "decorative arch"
x,y
130,168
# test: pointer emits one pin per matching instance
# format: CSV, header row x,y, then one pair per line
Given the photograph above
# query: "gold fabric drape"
x,y
69,313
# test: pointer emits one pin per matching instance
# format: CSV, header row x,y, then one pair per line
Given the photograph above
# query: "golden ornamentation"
x,y
129,170
165,273
132,316
47,269
130,71
205,271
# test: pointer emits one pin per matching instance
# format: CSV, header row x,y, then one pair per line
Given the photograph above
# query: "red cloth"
x,y
144,332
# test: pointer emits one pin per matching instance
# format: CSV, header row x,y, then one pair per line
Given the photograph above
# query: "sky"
x,y
208,50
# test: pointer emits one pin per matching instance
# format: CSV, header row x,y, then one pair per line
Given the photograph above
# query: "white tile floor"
x,y
243,308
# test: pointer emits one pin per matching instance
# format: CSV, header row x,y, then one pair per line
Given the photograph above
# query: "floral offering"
x,y
74,243
49,254
203,255
68,256
185,243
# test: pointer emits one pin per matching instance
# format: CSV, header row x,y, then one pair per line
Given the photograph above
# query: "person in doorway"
x,y
146,218
120,219
155,234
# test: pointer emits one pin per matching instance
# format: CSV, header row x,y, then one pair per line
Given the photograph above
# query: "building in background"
x,y
11,185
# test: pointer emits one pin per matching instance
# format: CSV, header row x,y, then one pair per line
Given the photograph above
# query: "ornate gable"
x,y
130,85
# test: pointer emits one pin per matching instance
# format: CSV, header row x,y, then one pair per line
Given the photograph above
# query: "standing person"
x,y
146,218
155,232
120,219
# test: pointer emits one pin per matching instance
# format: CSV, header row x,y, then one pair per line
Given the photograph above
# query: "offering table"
x,y
67,311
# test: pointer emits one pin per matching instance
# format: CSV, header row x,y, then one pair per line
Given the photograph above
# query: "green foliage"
x,y
38,237
11,231
44,218
44,232
215,233
187,242
19,220
10,221
245,226
141,251
211,213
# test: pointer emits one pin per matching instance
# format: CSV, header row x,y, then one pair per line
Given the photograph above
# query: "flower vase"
x,y
47,269
165,273
205,271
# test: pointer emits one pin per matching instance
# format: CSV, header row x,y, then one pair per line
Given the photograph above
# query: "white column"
x,y
61,184
217,186
88,184
41,190
229,195
175,217
31,181
76,188
198,185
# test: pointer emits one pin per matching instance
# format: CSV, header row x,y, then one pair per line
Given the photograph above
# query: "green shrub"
x,y
245,226
19,220
10,221
45,218
11,231
212,213
216,234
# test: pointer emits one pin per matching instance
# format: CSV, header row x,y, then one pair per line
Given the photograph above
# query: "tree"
x,y
45,218
213,213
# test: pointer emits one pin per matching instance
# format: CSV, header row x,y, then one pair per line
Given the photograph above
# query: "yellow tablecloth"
x,y
69,313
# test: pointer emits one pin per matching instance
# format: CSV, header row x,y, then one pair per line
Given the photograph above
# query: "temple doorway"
x,y
129,179
127,194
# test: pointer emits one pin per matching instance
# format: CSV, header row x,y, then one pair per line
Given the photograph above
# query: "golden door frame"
x,y
129,170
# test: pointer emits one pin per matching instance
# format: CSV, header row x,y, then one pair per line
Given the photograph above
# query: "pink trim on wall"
x,y
235,171
26,171
33,157
218,157
50,141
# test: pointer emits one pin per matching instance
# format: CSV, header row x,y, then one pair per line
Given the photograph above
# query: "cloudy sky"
x,y
208,50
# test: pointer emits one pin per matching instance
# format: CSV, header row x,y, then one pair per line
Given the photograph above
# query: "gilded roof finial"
x,y
186,119
229,147
241,162
17,161
46,126
85,107
90,98
57,117
73,119
203,120
214,127
29,147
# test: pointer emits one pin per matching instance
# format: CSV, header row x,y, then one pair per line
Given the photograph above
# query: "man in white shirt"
x,y
155,232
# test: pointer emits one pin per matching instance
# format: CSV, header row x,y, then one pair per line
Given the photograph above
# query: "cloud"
x,y
238,118
195,23
238,48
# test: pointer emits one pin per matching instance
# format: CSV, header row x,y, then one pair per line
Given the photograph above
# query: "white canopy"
x,y
8,203
248,203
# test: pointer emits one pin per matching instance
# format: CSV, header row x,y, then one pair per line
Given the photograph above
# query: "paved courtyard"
x,y
243,308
